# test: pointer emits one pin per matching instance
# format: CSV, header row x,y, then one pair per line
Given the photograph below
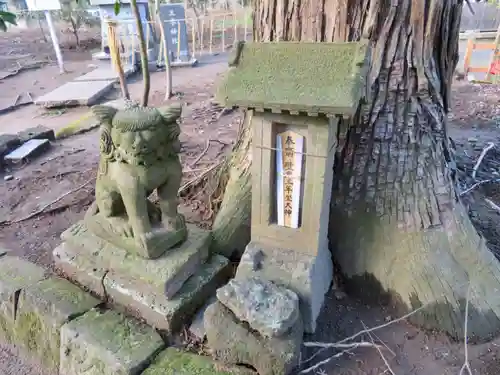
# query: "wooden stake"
x,y
115,57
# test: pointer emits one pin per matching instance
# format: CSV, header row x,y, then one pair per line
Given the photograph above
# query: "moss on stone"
x,y
83,124
107,343
42,309
176,362
312,77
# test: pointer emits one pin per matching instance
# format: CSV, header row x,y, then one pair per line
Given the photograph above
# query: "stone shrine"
x,y
300,98
139,253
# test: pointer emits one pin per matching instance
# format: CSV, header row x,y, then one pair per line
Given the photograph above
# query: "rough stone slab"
x,y
75,94
166,274
30,149
231,342
156,309
79,268
176,362
37,132
107,343
197,327
308,276
268,308
105,73
42,309
8,143
15,274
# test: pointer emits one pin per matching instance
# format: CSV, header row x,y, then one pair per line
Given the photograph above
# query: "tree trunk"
x,y
396,223
143,51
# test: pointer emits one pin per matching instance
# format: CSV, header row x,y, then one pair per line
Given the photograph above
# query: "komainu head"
x,y
139,131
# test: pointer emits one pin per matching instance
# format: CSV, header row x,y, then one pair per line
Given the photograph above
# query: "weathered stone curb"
x,y
85,123
42,310
107,343
176,362
15,275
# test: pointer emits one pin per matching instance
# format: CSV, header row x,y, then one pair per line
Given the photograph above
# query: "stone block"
x,y
75,94
107,343
8,142
233,342
165,275
15,274
176,362
308,276
42,309
267,308
156,309
105,73
83,270
37,132
197,327
30,149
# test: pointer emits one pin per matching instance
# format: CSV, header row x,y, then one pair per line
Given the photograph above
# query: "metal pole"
x,y
55,42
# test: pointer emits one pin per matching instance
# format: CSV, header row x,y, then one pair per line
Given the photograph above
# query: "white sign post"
x,y
47,6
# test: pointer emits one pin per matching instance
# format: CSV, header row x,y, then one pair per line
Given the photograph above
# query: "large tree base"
x,y
435,271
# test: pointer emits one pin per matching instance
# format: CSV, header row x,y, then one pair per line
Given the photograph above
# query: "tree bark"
x,y
396,222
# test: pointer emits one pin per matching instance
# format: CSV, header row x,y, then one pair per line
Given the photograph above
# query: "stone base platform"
x,y
165,292
308,276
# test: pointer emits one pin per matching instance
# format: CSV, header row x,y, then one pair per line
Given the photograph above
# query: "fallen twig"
x,y
350,338
41,210
198,178
481,157
379,350
492,204
476,185
201,155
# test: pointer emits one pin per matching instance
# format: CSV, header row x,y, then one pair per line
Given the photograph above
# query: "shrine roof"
x,y
320,78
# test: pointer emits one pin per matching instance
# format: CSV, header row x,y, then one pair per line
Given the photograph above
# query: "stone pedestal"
x,y
165,292
308,276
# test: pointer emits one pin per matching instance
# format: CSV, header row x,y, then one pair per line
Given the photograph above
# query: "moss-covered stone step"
x,y
42,310
176,362
92,256
15,275
169,314
107,343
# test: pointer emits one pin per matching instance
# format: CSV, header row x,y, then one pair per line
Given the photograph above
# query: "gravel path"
x,y
14,363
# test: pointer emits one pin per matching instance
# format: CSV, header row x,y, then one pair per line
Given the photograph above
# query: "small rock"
x,y
197,327
472,140
340,295
8,177
268,308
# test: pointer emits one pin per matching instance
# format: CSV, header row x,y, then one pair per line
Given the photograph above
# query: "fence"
x,y
486,17
206,35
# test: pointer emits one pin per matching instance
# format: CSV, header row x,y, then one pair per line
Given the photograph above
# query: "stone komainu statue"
x,y
139,149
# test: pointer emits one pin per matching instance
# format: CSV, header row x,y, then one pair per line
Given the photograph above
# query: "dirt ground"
x,y
60,183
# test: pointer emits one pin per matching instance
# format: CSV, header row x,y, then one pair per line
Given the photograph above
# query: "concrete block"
x,y
107,343
156,309
28,150
15,274
8,143
176,362
145,286
42,310
37,132
80,269
105,73
166,274
75,93
197,327
234,343
308,276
